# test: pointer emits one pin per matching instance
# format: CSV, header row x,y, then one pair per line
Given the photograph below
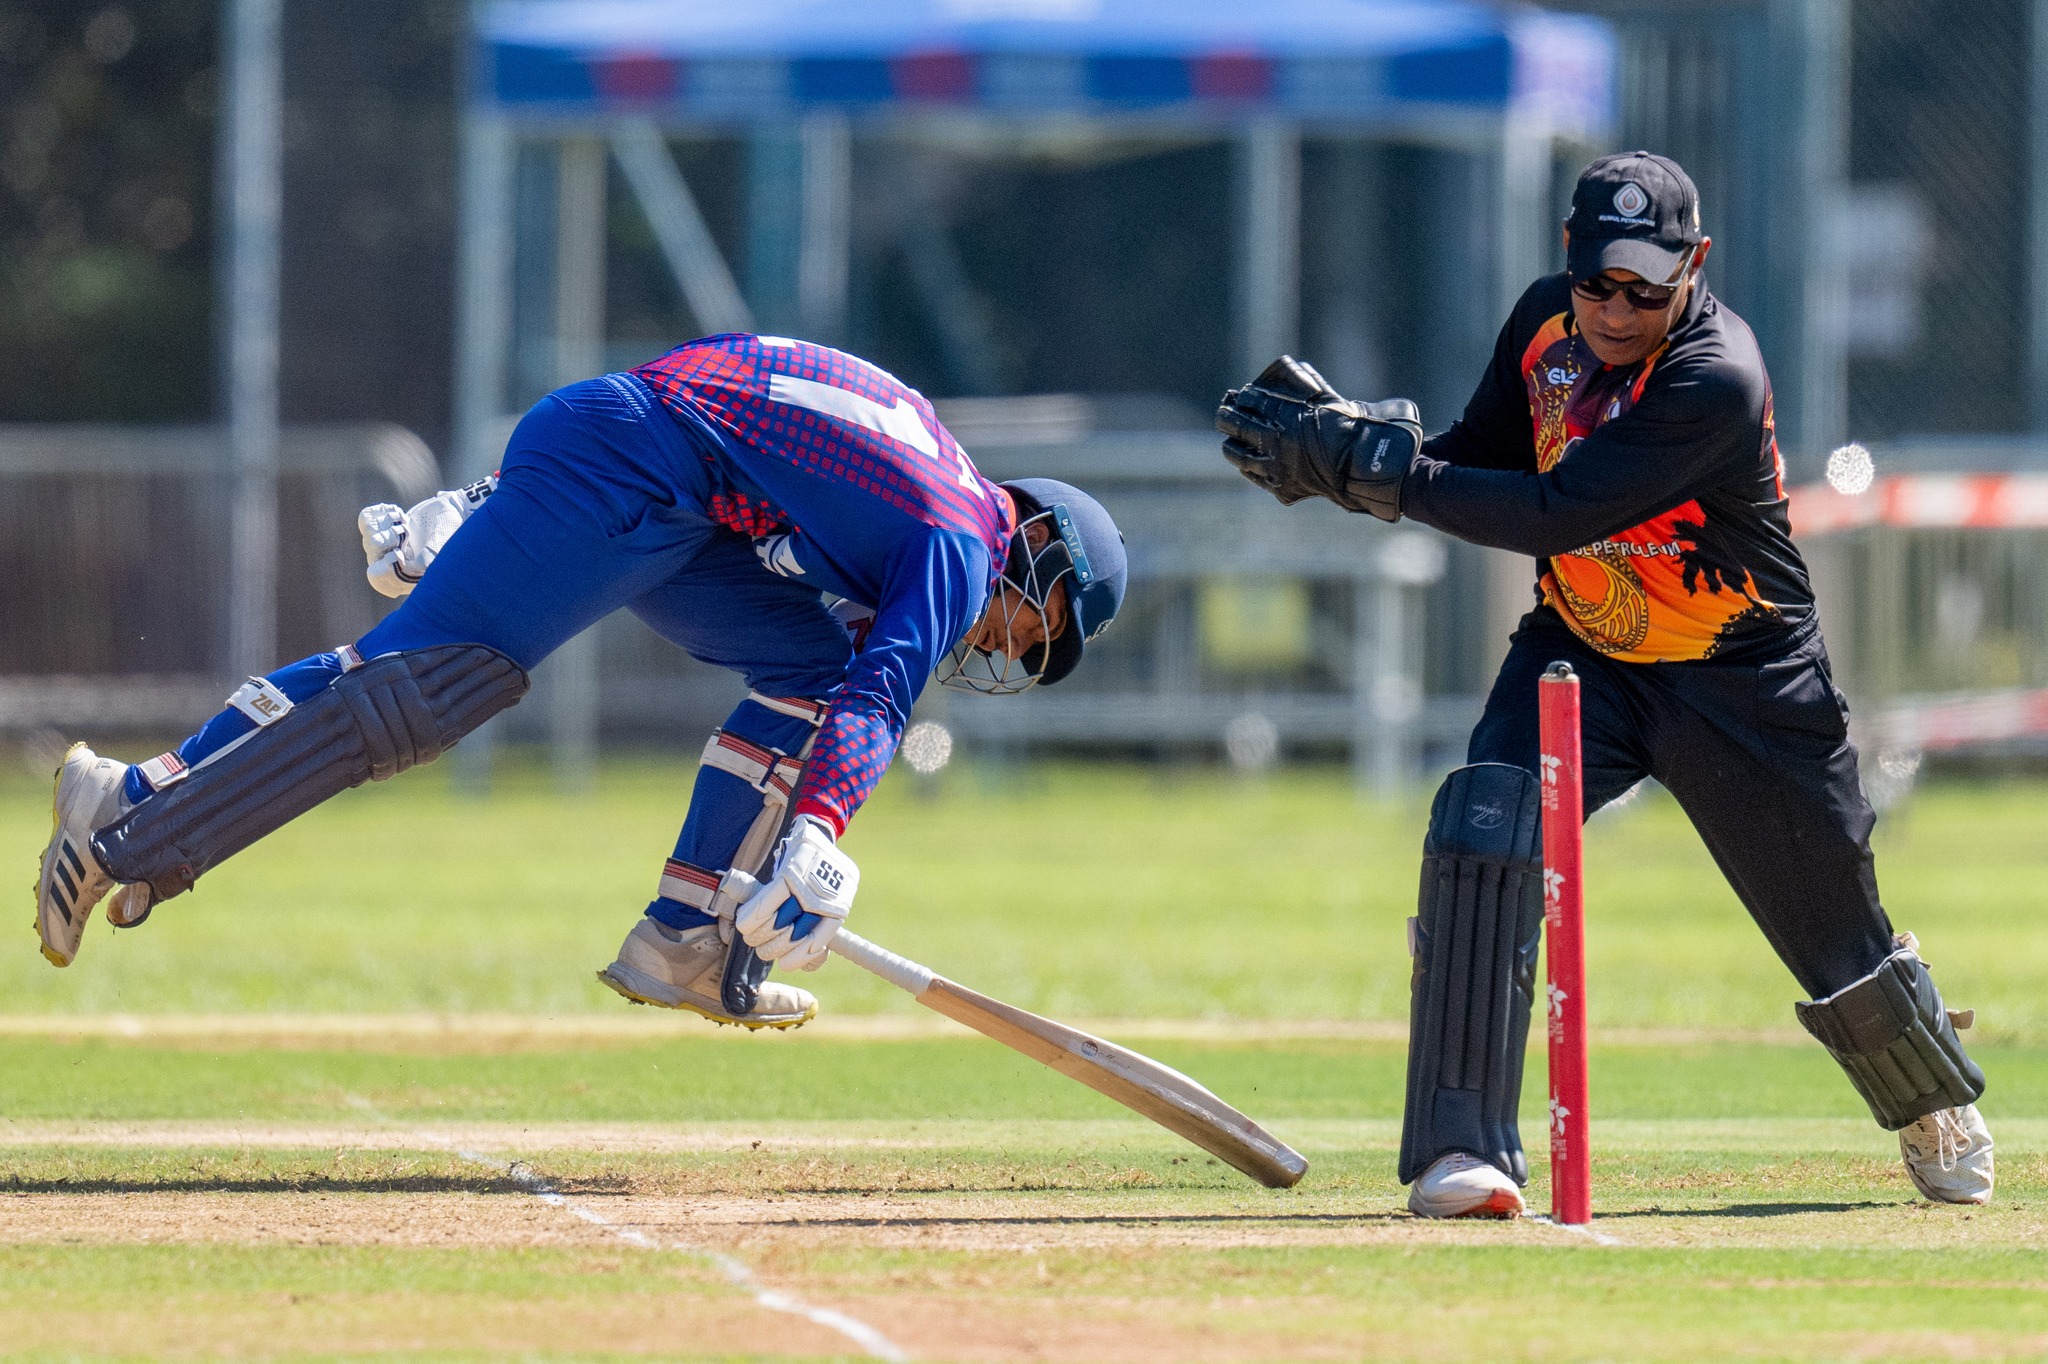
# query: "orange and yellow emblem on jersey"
x,y
1661,591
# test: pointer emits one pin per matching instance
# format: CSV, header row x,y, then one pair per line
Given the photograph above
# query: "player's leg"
x,y
92,792
729,611
1760,760
552,551
1474,938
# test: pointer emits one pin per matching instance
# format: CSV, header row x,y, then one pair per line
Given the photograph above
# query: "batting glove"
x,y
792,918
400,545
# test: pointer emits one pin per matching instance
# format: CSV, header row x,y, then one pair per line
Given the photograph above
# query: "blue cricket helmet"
x,y
1086,551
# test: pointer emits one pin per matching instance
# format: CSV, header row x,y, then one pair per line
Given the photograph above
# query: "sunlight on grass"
x,y
1077,890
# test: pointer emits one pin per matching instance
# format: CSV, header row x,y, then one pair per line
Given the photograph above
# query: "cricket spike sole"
x,y
622,979
1175,1101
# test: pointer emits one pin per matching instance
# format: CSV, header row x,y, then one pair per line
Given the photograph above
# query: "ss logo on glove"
x,y
792,917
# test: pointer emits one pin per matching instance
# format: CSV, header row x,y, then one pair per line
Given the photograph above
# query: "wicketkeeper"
x,y
774,507
1622,435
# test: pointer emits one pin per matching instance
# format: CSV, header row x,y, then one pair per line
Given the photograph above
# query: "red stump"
x,y
1564,929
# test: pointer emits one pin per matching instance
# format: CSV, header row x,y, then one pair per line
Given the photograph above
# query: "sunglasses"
x,y
1644,298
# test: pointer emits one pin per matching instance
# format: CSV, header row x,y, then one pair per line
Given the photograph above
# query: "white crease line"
x,y
1599,1238
735,1270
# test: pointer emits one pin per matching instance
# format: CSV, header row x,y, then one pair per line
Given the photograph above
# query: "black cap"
x,y
1633,211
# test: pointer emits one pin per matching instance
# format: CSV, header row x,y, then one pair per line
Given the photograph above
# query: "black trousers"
x,y
1757,755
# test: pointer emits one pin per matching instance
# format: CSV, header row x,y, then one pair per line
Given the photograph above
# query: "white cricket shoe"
x,y
1463,1185
685,968
1948,1155
70,882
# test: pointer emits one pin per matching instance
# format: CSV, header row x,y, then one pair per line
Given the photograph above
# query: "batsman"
x,y
777,508
1622,435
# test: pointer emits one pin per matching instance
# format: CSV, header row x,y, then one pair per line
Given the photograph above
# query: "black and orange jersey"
x,y
1652,495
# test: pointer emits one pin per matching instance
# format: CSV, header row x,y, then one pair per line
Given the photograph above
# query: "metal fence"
x,y
1934,227
114,562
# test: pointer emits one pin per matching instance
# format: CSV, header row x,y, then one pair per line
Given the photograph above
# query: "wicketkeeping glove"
x,y
1292,434
401,544
792,918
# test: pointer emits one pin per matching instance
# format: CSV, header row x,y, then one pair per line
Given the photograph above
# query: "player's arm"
x,y
401,544
934,589
935,586
1688,432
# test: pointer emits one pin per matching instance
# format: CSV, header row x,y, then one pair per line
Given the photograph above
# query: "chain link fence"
x,y
1935,228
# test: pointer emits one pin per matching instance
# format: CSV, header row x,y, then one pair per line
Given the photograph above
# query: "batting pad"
x,y
1891,1034
393,713
1476,933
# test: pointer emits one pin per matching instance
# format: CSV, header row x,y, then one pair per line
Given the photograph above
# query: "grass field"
x,y
358,1097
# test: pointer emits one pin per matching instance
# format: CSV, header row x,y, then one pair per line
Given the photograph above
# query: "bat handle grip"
x,y
901,972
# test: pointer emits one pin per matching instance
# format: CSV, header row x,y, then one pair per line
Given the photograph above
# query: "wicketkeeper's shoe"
x,y
1463,1185
684,969
1948,1155
70,882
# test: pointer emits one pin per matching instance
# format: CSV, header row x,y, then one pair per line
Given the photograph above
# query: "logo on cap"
x,y
1630,201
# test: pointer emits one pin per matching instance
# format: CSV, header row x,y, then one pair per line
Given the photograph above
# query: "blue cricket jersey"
x,y
844,478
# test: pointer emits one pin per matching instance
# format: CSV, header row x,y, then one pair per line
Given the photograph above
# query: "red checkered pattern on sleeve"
x,y
853,748
725,379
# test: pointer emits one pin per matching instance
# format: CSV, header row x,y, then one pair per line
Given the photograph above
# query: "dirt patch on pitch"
x,y
307,1219
981,1293
993,1312
785,1225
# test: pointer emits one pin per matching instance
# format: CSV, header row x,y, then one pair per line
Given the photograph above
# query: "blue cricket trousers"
x,y
601,504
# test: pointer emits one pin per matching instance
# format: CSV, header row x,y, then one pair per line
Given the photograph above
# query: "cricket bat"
x,y
1139,1083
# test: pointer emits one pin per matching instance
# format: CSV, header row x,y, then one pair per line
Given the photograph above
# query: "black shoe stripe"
x,y
77,867
70,886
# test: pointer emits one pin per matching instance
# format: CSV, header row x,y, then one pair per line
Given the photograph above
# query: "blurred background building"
x,y
1072,248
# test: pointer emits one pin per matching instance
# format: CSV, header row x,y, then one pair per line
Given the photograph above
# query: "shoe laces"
x,y
1952,1140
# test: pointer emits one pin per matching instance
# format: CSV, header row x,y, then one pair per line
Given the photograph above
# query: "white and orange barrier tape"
x,y
1925,502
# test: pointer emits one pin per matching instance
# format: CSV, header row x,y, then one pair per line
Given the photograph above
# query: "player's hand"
x,y
386,539
792,918
1292,434
400,545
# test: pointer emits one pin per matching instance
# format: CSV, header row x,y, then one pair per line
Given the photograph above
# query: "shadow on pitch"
x,y
291,1184
1102,1220
1753,1209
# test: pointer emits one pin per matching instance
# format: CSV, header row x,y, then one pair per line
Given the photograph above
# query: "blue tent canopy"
x,y
1358,61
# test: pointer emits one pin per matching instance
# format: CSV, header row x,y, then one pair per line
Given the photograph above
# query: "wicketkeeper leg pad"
x,y
375,721
1474,941
1891,1034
